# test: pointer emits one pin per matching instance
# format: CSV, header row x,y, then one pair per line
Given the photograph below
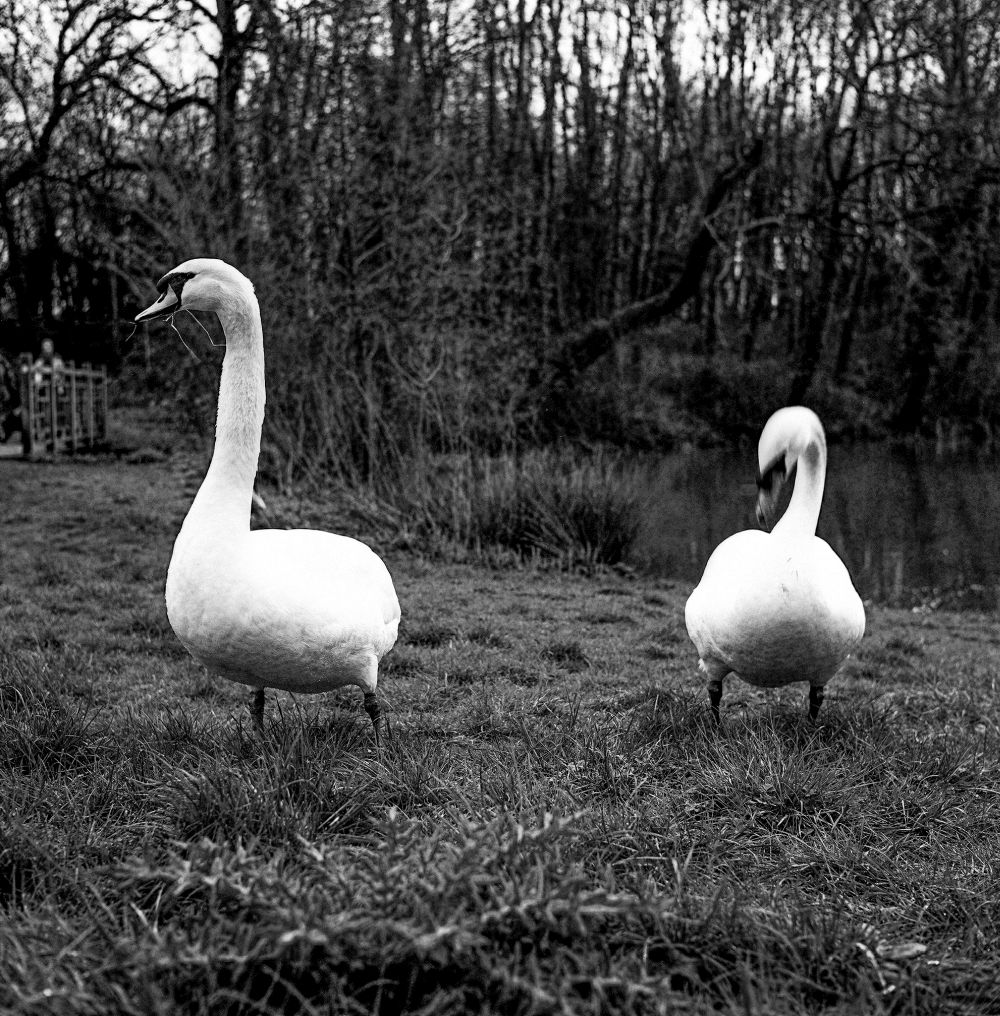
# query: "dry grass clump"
x,y
554,506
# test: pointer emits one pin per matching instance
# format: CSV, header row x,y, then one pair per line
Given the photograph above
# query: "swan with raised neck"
x,y
777,607
302,610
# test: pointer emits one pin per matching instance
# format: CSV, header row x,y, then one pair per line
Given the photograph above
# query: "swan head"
x,y
198,284
790,435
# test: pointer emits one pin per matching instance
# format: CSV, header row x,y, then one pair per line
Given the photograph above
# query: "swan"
x,y
777,607
300,609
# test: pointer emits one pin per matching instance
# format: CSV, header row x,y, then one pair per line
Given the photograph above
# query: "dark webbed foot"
x,y
257,709
715,698
816,693
374,710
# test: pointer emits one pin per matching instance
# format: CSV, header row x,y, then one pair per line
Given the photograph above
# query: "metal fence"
x,y
63,407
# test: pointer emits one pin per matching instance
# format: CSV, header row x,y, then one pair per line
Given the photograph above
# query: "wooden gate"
x,y
63,407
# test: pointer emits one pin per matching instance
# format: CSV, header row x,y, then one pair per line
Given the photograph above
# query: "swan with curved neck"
x,y
777,607
300,610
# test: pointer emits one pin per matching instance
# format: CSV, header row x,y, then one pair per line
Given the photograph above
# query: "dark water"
x,y
914,527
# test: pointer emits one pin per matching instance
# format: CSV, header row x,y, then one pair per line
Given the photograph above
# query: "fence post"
x,y
90,405
27,403
104,402
53,408
74,423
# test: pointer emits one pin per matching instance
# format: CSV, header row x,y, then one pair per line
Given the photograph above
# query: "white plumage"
x,y
302,610
778,607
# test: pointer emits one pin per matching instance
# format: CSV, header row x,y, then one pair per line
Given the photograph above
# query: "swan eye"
x,y
175,280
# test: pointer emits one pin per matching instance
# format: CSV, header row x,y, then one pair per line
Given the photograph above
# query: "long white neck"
x,y
802,514
225,494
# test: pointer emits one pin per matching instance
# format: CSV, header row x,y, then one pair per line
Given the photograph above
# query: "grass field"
x,y
555,827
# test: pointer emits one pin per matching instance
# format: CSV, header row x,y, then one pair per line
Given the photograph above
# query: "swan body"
x,y
777,607
301,610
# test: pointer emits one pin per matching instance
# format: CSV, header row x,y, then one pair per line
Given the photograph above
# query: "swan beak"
x,y
765,511
165,305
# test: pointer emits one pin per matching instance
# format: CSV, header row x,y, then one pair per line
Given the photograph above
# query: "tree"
x,y
70,71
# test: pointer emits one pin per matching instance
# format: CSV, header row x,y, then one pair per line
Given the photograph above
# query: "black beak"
x,y
769,485
762,512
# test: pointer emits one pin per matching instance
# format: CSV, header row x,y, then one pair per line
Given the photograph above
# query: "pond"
x,y
915,526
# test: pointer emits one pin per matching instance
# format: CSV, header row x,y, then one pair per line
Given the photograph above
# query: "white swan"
x,y
778,607
297,609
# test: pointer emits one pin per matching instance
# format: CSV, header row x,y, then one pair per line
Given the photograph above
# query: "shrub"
x,y
549,505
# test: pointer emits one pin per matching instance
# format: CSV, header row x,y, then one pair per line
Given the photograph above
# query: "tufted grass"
x,y
554,828
548,506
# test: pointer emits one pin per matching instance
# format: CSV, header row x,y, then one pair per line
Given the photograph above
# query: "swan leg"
x,y
816,693
374,710
715,698
257,709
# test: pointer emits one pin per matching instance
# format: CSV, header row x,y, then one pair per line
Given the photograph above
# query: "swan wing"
x,y
298,609
326,576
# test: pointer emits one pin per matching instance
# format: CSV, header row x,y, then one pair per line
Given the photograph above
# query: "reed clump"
x,y
549,506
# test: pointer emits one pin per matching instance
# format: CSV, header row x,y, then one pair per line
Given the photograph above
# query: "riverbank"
x,y
555,827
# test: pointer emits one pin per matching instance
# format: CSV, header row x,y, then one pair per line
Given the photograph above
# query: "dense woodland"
x,y
485,223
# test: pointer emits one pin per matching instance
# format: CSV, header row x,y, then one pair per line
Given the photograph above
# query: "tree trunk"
x,y
589,344
230,68
855,295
